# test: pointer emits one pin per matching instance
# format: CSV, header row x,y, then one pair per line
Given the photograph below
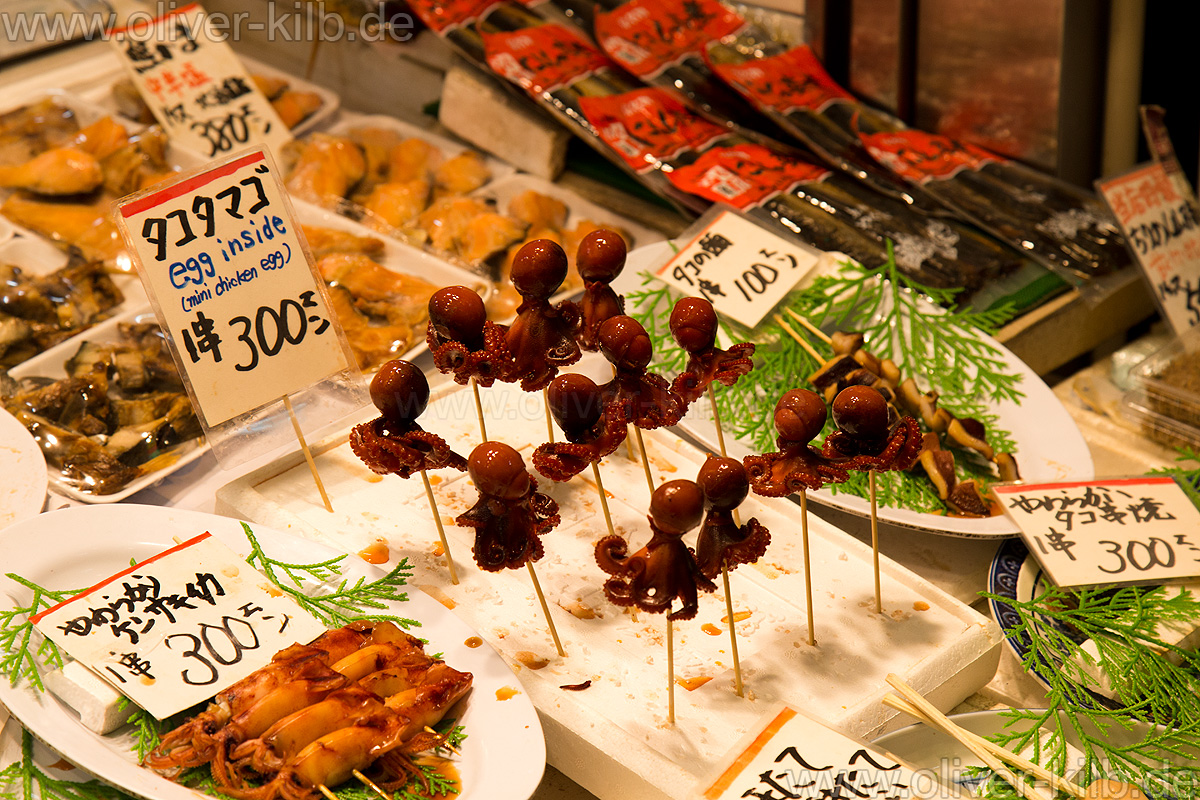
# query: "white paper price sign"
x,y
175,629
799,757
1161,228
743,269
224,265
196,86
1120,531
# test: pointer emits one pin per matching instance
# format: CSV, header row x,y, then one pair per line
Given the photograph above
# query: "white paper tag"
x,y
196,86
1123,531
800,757
1161,229
222,260
742,268
177,628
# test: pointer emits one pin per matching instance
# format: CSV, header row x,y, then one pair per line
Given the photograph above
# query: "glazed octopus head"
x,y
724,483
539,268
800,415
861,412
625,343
694,324
575,402
457,314
400,391
499,471
601,256
677,506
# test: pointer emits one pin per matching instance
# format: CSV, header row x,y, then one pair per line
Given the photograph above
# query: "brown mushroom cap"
x,y
601,256
677,506
539,268
694,324
624,342
861,412
458,314
575,402
498,470
400,391
800,415
724,482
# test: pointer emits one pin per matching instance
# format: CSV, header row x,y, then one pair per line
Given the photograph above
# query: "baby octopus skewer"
x,y
510,517
466,344
722,543
664,570
394,443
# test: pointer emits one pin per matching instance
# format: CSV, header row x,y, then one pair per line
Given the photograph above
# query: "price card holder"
x,y
173,630
196,86
795,755
1162,231
231,279
742,268
1121,531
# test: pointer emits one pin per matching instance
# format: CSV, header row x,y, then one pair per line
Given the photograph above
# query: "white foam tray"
x,y
613,738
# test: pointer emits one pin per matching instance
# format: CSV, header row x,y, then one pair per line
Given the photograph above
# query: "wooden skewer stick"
x,y
670,668
897,702
943,723
479,410
437,520
312,465
737,663
629,445
812,631
549,420
813,329
645,458
712,399
325,791
875,541
799,339
537,587
603,500
370,784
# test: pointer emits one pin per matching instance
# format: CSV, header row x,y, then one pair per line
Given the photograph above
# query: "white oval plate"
x,y
1049,445
23,491
502,758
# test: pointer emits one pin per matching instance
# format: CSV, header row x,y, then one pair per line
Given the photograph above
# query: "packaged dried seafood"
x,y
683,156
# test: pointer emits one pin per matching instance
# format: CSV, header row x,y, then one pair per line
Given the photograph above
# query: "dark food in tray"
x,y
118,414
39,311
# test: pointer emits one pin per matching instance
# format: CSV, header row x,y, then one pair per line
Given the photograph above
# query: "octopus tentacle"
x,y
404,453
491,363
713,364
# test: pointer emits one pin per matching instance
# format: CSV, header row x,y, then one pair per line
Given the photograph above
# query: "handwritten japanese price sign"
x,y
798,757
1161,228
178,627
196,86
1121,531
221,258
743,269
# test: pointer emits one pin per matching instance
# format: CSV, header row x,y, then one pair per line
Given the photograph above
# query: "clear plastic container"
x,y
1139,407
1169,379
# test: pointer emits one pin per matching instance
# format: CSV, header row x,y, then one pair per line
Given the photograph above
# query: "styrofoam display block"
x,y
613,737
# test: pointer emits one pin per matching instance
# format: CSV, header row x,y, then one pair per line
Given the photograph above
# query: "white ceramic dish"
x,y
502,758
1049,445
50,364
23,490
